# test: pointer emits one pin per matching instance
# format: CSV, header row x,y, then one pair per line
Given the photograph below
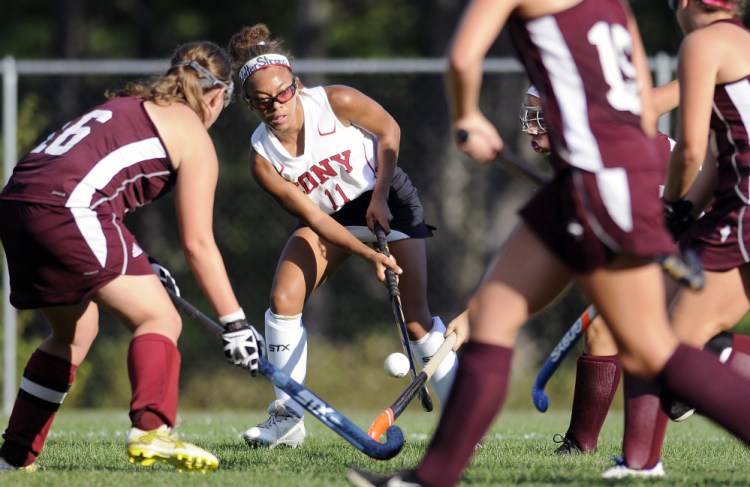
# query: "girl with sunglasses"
x,y
69,253
598,222
328,156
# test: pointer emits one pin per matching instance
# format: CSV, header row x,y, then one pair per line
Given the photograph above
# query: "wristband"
x,y
237,315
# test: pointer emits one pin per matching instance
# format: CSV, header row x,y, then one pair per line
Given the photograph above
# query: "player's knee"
x,y
640,364
285,302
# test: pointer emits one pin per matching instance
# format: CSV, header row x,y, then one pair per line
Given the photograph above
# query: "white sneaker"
x,y
283,427
4,465
622,471
147,447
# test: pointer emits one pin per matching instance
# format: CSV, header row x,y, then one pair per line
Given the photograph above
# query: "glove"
x,y
164,276
243,346
678,217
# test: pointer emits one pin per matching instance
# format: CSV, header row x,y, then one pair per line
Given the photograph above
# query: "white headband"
x,y
262,62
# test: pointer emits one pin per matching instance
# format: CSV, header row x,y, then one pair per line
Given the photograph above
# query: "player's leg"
x,y
144,307
645,414
305,263
426,332
701,318
630,297
514,287
48,375
597,378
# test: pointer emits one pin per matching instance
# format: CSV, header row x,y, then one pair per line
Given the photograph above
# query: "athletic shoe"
x,y
679,411
622,471
568,446
361,478
283,427
4,465
147,447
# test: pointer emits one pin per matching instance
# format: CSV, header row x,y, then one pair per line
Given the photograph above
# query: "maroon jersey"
x,y
61,212
721,237
730,121
111,156
589,92
602,201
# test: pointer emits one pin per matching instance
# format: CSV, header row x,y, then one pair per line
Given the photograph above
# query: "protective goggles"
x,y
213,81
282,97
532,118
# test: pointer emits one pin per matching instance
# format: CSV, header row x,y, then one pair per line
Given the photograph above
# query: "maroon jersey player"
x,y
714,96
69,253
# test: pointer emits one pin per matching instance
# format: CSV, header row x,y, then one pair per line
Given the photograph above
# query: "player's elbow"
x,y
195,246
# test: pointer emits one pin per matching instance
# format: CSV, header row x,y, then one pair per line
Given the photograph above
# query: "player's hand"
x,y
459,325
378,212
381,262
478,138
243,345
164,276
678,217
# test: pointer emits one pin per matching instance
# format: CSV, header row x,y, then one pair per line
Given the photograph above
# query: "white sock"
x,y
423,350
286,346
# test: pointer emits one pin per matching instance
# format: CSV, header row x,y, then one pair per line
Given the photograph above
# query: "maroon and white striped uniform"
x,y
61,219
722,237
602,200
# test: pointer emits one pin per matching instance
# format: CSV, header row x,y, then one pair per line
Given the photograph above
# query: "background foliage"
x,y
349,319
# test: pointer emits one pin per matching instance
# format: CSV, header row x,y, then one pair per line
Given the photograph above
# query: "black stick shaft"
x,y
398,312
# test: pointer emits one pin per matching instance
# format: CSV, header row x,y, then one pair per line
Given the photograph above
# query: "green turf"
x,y
86,448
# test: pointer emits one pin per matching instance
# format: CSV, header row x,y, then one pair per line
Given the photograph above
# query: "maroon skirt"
x,y
586,219
55,259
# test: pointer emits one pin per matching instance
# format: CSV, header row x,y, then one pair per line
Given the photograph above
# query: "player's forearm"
x,y
208,268
335,233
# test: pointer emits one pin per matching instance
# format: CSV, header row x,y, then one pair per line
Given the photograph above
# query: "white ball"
x,y
396,365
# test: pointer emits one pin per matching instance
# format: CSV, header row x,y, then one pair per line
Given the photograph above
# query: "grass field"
x,y
86,448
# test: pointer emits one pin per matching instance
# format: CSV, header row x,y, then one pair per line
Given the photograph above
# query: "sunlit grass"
x,y
87,448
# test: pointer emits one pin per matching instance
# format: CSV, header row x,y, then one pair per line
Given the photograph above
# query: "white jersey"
x,y
339,162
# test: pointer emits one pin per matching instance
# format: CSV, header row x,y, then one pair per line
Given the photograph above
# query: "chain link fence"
x,y
473,207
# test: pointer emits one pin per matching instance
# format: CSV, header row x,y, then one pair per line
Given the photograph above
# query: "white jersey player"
x,y
328,156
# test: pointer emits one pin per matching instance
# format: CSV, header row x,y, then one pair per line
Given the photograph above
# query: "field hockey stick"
x,y
312,403
685,269
386,419
398,312
566,343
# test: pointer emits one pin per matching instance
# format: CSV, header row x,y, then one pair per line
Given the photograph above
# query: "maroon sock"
x,y
739,359
597,378
645,423
477,395
46,381
714,389
154,370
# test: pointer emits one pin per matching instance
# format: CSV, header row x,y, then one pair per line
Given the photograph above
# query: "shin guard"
x,y
714,389
645,423
154,371
597,378
45,383
423,350
286,347
476,398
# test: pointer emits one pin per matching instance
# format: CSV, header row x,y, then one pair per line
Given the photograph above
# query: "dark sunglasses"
x,y
265,103
672,4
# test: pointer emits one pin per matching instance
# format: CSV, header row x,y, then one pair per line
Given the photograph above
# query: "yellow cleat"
x,y
147,447
4,465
